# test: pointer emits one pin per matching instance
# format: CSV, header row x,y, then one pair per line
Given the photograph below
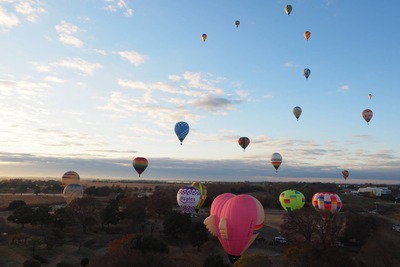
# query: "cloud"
x,y
8,20
53,79
289,64
115,5
214,104
66,31
28,9
86,68
344,88
133,57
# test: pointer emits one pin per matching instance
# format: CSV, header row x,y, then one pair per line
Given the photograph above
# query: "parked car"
x,y
279,240
338,244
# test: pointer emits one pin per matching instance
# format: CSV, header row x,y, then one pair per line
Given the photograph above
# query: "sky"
x,y
90,85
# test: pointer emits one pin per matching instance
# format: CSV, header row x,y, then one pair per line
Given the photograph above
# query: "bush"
x,y
32,263
65,264
16,204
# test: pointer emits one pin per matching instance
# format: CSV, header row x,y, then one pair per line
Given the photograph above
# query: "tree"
x,y
198,234
110,214
147,244
176,224
22,215
133,209
159,203
358,227
37,190
32,263
16,204
249,260
301,222
215,260
41,216
85,211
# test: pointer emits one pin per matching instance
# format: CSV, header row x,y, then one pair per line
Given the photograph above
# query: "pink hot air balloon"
x,y
187,198
240,218
212,221
327,204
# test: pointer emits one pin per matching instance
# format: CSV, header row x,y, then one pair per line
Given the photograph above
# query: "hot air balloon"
x,y
70,177
244,142
327,204
240,219
140,164
291,200
204,37
181,130
212,221
367,115
306,73
203,194
288,9
345,174
307,35
237,23
72,191
188,198
276,160
369,96
297,112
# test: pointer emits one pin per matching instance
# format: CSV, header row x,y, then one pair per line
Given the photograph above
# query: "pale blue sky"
x,y
90,85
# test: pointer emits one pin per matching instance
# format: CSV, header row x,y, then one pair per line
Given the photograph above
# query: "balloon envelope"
x,y
212,221
297,112
306,73
188,197
369,96
237,23
326,203
203,194
70,177
204,37
367,115
345,174
140,164
72,191
288,9
181,130
276,160
244,142
239,218
291,200
307,35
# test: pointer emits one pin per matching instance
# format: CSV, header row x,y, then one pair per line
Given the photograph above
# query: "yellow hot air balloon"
x,y
307,35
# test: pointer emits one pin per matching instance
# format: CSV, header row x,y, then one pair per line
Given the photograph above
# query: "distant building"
x,y
375,191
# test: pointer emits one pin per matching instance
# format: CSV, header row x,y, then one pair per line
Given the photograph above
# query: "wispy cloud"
x,y
85,67
344,88
7,20
115,5
289,64
30,9
132,57
66,31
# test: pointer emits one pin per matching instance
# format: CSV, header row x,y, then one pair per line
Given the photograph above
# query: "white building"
x,y
377,191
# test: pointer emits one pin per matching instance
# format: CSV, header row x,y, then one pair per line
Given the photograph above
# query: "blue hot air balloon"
x,y
181,130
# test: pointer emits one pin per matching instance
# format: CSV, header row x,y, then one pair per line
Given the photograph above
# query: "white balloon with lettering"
x,y
188,197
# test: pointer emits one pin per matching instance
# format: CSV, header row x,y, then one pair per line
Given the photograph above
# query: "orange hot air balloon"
x,y
367,115
307,35
204,37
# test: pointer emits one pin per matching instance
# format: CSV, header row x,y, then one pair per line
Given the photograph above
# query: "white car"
x,y
280,240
